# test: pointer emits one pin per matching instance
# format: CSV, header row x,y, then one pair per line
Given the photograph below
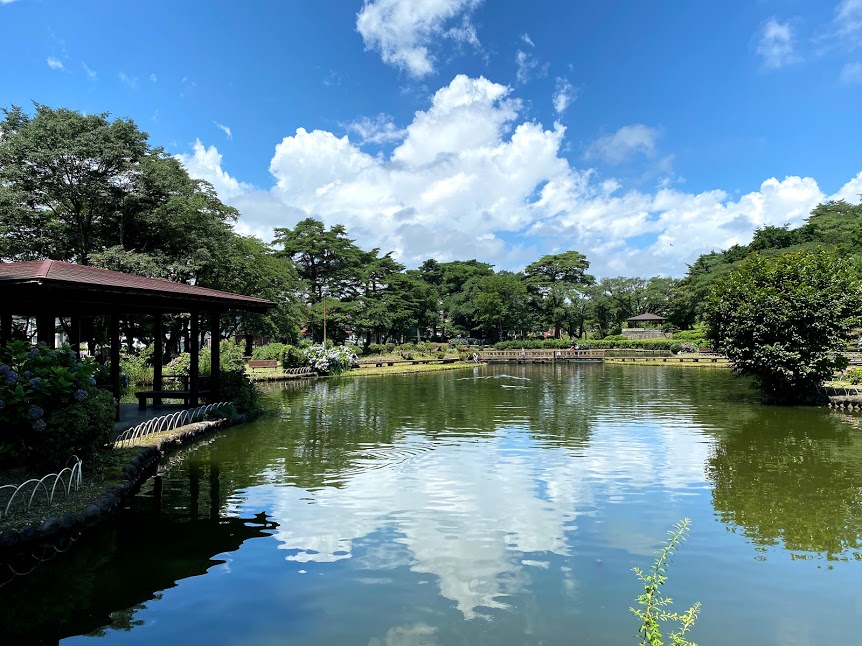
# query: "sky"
x,y
639,134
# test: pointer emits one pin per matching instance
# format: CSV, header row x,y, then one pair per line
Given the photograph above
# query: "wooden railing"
x,y
542,355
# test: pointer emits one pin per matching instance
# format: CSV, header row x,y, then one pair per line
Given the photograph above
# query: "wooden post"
x,y
215,356
194,354
75,334
158,355
45,329
114,332
5,328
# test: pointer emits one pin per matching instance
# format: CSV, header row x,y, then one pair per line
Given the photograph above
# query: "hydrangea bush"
x,y
39,387
330,361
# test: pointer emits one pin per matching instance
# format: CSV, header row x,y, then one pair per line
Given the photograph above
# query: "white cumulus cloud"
x,y
205,163
472,178
403,31
776,45
54,63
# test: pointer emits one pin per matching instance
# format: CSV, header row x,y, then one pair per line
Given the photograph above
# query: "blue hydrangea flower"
x,y
80,395
11,378
4,368
36,412
34,353
26,374
91,381
39,425
35,382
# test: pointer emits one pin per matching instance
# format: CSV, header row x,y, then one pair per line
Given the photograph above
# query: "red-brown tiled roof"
x,y
57,273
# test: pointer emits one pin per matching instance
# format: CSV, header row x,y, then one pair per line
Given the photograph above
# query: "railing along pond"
x,y
69,479
167,423
563,354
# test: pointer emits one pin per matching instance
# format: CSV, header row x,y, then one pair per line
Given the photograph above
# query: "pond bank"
x,y
120,474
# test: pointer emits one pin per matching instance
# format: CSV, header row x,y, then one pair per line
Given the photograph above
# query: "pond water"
x,y
496,505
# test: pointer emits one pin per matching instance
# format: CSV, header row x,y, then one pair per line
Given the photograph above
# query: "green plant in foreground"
x,y
653,611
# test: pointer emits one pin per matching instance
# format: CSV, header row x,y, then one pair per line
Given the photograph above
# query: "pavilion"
x,y
51,289
647,318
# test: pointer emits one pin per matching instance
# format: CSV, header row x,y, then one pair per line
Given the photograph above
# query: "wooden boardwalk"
x,y
541,356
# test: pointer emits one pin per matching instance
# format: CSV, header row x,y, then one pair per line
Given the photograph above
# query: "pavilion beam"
x,y
158,354
215,356
114,333
194,354
45,329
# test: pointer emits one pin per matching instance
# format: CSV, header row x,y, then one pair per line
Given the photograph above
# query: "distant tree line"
x,y
88,189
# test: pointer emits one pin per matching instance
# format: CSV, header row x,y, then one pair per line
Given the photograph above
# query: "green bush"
x,y
854,376
236,387
675,347
77,429
38,388
293,357
269,351
375,348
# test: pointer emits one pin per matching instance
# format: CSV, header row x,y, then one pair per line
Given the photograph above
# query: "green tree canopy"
x,y
784,320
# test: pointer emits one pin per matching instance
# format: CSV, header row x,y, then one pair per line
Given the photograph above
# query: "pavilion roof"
x,y
646,317
44,284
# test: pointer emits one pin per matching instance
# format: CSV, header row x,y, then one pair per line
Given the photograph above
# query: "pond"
x,y
494,505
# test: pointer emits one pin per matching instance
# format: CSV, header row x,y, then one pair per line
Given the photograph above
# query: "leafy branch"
x,y
654,605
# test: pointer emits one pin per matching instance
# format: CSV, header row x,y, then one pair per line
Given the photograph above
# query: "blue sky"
x,y
641,134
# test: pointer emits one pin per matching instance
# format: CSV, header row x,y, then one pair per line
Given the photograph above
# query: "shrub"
x,y
854,376
269,351
675,347
375,348
465,341
138,367
39,387
330,361
292,357
77,429
236,387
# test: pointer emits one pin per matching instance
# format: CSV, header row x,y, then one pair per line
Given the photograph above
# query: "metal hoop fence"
x,y
69,478
304,370
167,423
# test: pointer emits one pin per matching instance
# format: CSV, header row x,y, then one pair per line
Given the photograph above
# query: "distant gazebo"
x,y
49,289
646,319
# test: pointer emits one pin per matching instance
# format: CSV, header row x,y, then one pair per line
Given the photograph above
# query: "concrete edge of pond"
x,y
101,506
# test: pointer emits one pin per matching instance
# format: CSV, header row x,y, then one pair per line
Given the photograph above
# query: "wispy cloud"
x,y
54,63
528,67
91,73
526,38
851,73
6,1
848,20
380,130
625,143
153,77
224,129
130,82
564,94
776,45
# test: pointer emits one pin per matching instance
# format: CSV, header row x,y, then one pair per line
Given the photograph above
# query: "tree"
x,y
327,260
501,303
64,176
785,320
551,278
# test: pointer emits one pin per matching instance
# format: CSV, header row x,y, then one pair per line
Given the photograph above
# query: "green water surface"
x,y
494,505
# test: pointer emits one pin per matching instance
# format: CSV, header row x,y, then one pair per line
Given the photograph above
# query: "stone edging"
x,y
134,474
